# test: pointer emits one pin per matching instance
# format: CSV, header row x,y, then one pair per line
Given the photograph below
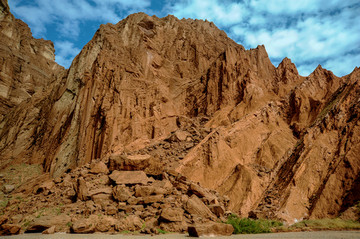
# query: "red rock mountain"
x,y
185,96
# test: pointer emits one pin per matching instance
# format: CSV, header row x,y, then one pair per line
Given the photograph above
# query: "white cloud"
x,y
308,31
221,12
70,13
65,52
347,61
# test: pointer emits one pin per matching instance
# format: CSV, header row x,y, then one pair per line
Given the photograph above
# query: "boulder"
x,y
178,136
172,214
50,230
182,135
111,210
42,223
206,196
103,225
163,184
83,226
102,189
99,167
129,177
102,199
129,162
196,207
45,187
143,191
218,210
102,180
174,226
9,229
130,223
210,230
152,199
82,190
121,193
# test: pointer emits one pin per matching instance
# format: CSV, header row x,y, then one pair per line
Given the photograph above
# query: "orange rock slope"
x,y
190,100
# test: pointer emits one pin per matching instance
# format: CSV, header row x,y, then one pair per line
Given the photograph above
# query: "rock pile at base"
x,y
93,198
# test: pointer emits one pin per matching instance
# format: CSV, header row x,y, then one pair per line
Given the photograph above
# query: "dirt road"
x,y
287,235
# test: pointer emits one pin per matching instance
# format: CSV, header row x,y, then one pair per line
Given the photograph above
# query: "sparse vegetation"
x,y
41,212
250,226
25,224
161,231
4,203
57,211
69,224
326,224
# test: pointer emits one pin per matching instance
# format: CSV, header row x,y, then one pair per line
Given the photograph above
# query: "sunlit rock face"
x,y
279,145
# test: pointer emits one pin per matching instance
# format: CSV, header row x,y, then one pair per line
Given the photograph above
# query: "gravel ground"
x,y
292,235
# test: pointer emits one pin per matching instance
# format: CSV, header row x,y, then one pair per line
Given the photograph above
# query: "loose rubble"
x,y
98,198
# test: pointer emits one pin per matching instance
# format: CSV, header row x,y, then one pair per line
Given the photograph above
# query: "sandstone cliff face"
x,y
277,144
126,86
27,64
28,73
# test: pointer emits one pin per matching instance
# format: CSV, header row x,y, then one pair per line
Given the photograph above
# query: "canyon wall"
x,y
278,144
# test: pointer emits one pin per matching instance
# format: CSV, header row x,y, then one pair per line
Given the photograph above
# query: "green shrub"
x,y
69,224
250,226
161,231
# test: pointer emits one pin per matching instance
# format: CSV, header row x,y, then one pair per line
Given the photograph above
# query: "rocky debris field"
x,y
120,194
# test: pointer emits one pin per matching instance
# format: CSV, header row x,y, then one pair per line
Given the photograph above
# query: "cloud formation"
x,y
69,13
309,32
65,52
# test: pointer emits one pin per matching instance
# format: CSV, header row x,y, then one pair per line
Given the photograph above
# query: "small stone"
x,y
8,188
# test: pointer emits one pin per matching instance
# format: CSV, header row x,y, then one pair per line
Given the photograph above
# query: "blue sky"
x,y
309,32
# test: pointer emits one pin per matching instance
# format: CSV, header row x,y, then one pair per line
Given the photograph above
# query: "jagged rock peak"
x,y
322,73
287,64
143,17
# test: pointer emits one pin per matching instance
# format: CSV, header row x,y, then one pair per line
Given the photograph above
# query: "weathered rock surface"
x,y
210,230
159,113
129,177
28,74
